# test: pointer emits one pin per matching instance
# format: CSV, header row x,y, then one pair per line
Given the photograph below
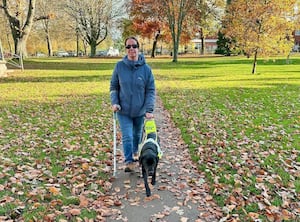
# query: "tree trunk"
x,y
175,44
85,45
49,45
21,47
202,46
153,49
254,63
93,46
155,43
175,52
77,43
176,14
202,42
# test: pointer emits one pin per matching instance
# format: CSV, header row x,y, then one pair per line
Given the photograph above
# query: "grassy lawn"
x,y
55,138
242,131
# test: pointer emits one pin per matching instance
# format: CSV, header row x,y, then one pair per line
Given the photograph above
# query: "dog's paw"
x,y
153,183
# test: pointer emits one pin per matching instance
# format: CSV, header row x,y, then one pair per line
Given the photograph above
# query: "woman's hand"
x,y
116,107
149,116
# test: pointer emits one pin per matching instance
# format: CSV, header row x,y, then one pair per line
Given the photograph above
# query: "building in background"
x,y
210,45
296,47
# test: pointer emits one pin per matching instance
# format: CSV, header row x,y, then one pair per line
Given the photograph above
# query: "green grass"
x,y
55,117
242,131
247,126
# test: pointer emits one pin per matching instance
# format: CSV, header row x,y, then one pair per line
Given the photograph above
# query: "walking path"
x,y
180,194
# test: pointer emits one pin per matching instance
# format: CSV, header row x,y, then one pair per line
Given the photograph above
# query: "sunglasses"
x,y
133,46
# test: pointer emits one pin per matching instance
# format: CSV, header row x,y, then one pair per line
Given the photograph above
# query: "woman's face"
x,y
132,49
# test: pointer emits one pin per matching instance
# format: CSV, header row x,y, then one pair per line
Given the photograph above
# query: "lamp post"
x,y
77,41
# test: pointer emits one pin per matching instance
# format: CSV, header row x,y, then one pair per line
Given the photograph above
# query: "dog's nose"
x,y
151,173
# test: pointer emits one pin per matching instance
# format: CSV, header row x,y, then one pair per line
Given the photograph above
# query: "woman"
x,y
132,93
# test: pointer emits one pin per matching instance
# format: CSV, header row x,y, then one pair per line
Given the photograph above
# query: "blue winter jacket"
x,y
132,87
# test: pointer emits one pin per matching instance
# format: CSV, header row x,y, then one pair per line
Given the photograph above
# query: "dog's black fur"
x,y
149,161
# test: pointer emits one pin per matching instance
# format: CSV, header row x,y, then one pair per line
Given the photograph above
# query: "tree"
x,y
260,27
46,7
93,19
207,16
176,11
157,34
20,14
127,28
150,17
223,44
147,19
201,14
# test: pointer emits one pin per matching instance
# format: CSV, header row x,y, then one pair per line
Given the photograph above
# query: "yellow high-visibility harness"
x,y
150,127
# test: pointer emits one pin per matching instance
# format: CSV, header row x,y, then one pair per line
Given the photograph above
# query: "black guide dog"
x,y
149,157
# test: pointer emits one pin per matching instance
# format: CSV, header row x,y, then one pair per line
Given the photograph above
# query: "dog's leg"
x,y
153,179
145,176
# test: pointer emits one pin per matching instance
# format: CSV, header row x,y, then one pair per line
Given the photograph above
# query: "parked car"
x,y
113,52
40,54
62,54
101,53
72,53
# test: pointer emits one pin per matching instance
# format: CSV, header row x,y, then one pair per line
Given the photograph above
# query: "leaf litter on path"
x,y
181,193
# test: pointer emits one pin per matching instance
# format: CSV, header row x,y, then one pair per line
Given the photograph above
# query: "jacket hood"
x,y
133,64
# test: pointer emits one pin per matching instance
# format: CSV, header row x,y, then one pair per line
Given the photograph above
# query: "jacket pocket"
x,y
140,83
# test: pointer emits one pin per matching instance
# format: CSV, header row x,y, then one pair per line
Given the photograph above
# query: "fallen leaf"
x,y
84,202
55,191
253,215
117,203
75,212
85,166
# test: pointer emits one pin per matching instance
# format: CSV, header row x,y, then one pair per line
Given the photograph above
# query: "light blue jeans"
x,y
131,129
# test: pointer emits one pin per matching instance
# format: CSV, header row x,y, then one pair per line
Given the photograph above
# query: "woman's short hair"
x,y
135,39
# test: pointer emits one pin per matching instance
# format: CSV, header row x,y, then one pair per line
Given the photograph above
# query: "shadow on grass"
x,y
87,78
265,87
204,63
60,99
182,78
67,65
264,80
157,63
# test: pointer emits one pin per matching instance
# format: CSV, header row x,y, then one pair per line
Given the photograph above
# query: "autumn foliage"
x,y
167,17
261,28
